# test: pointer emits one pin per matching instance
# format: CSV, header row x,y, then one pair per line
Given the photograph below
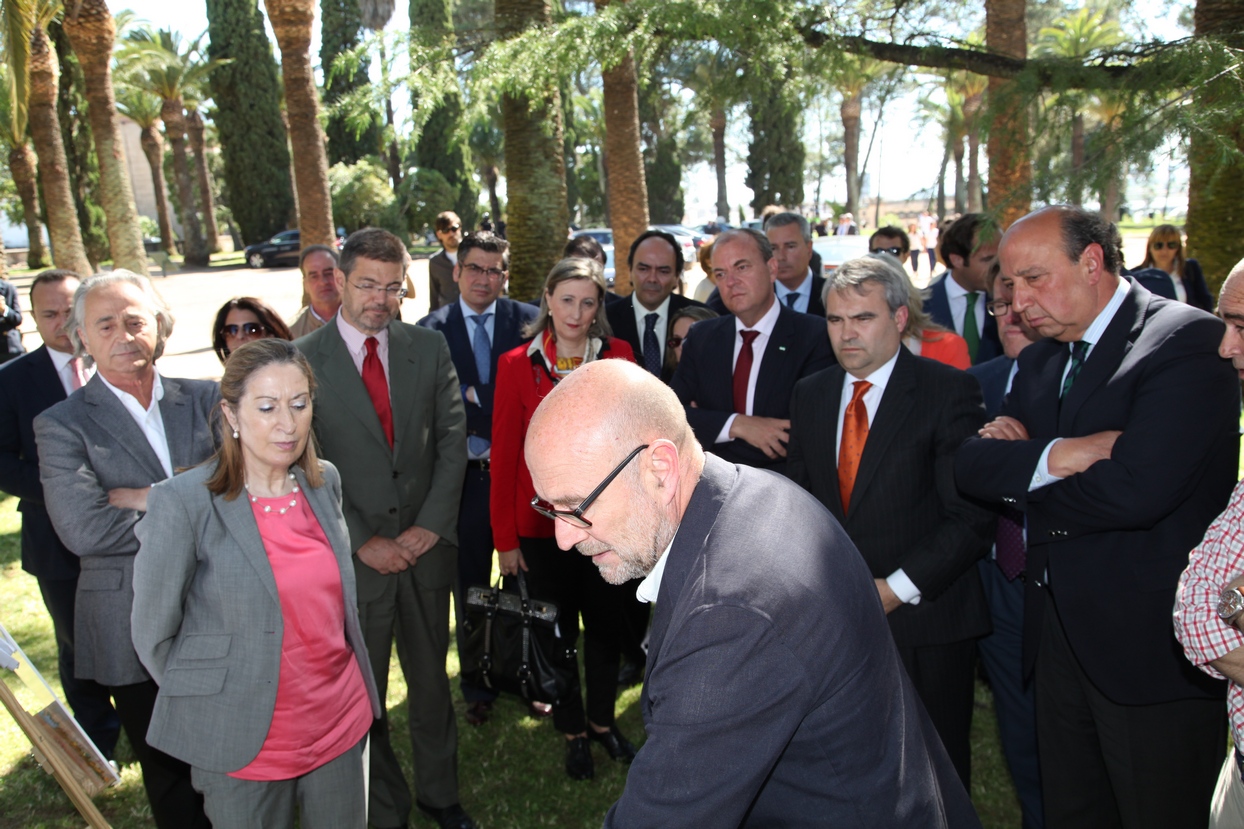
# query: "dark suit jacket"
x,y
774,694
621,315
992,376
89,444
10,322
442,290
799,347
816,306
937,306
905,510
1158,281
28,385
507,333
1114,539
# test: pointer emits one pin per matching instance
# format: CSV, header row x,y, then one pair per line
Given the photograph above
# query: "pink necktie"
x,y
78,381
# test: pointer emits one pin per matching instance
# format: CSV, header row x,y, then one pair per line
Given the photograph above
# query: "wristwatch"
x,y
1230,603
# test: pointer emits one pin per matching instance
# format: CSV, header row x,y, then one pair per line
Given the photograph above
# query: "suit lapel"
x,y
339,373
775,366
459,338
106,410
504,332
897,402
178,417
1105,356
404,370
627,329
239,519
718,354
46,381
830,404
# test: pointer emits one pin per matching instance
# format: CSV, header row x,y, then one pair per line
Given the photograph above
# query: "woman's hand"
x,y
509,561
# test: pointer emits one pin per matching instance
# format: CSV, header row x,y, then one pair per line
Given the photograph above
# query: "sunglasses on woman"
x,y
249,329
1167,245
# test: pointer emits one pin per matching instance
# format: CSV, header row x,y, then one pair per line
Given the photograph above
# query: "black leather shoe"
x,y
449,817
477,712
619,747
579,765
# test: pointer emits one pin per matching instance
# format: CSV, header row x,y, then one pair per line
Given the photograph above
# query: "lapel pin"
x,y
781,348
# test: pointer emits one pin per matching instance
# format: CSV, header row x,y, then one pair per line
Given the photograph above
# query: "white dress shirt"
x,y
1041,476
764,326
149,419
650,587
641,324
957,296
804,292
356,343
902,586
64,371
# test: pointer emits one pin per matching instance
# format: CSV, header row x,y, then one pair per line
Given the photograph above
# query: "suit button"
x,y
392,510
395,474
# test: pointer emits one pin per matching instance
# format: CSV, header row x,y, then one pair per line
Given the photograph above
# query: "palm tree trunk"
x,y
175,127
852,106
1075,191
628,187
195,128
491,176
961,201
291,22
153,148
22,166
971,119
68,252
1010,167
717,123
91,32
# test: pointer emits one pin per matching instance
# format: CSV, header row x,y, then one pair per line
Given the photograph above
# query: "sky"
x,y
905,159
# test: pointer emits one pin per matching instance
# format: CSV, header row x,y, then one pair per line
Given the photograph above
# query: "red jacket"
x,y
521,383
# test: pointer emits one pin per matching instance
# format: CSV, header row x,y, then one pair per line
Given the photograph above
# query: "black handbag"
x,y
512,643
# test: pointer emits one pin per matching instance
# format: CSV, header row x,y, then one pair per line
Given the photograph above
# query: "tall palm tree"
x,y
25,23
488,149
14,131
1010,165
143,108
92,32
291,23
852,80
198,144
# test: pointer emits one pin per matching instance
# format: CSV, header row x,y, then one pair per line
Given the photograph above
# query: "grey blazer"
x,y
207,617
89,444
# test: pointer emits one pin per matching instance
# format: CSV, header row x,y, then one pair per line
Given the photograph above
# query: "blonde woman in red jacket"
x,y
570,330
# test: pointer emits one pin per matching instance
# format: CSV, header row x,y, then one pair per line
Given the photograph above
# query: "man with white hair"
x,y
100,450
756,586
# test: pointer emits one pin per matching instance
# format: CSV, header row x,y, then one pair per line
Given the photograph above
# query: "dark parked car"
x,y
281,249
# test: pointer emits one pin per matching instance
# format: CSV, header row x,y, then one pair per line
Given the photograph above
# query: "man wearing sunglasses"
x,y
442,289
774,695
892,240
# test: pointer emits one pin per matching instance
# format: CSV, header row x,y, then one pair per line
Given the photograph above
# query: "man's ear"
x,y
664,468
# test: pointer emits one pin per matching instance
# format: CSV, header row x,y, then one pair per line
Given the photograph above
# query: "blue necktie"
x,y
791,298
652,349
482,347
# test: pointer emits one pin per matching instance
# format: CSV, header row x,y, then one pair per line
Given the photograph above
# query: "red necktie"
x,y
743,371
378,388
854,436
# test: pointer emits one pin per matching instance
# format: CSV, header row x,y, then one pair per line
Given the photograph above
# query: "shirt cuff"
x,y
1042,477
903,587
724,435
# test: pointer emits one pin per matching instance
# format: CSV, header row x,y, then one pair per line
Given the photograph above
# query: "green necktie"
x,y
1079,351
970,332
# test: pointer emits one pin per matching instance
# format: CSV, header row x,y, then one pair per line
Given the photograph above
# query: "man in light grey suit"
x,y
100,451
389,415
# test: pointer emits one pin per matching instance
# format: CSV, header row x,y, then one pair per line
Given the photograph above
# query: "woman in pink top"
x,y
245,612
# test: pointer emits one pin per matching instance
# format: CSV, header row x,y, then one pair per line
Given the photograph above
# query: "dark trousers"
x,y
573,583
1002,654
1106,765
943,676
932,259
475,550
915,260
90,701
174,802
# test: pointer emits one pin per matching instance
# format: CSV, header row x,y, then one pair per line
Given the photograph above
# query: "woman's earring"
x,y
235,434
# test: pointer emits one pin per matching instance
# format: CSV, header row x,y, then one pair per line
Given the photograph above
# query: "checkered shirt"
x,y
1217,560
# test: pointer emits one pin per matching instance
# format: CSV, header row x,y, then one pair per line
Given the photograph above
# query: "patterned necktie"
x,y
791,299
1079,352
482,347
378,388
854,436
652,349
743,371
1009,539
971,332
75,373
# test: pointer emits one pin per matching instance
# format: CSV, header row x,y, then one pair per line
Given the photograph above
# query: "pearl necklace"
x,y
293,502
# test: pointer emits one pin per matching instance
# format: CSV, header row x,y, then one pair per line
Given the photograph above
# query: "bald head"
x,y
1231,309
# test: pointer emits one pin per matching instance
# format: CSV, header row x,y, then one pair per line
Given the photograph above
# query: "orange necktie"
x,y
854,435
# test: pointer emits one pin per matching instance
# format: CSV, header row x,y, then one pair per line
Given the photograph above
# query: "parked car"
x,y
835,250
281,249
601,234
611,271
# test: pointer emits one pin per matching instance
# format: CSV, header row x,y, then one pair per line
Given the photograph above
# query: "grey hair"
x,y
881,268
790,218
163,315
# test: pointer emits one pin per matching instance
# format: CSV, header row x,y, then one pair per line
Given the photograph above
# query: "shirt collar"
x,y
804,289
468,311
878,378
650,587
765,324
60,359
1093,334
129,400
954,289
356,340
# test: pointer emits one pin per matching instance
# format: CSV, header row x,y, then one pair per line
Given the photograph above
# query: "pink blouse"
x,y
322,708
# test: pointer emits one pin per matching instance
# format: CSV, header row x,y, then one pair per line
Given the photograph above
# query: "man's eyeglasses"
x,y
998,308
249,329
574,517
1167,245
394,291
476,270
897,253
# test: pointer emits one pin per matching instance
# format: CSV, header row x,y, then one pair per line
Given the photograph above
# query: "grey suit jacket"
x,y
207,617
442,289
419,480
89,444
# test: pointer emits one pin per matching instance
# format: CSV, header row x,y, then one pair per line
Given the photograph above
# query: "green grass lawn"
x,y
510,769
